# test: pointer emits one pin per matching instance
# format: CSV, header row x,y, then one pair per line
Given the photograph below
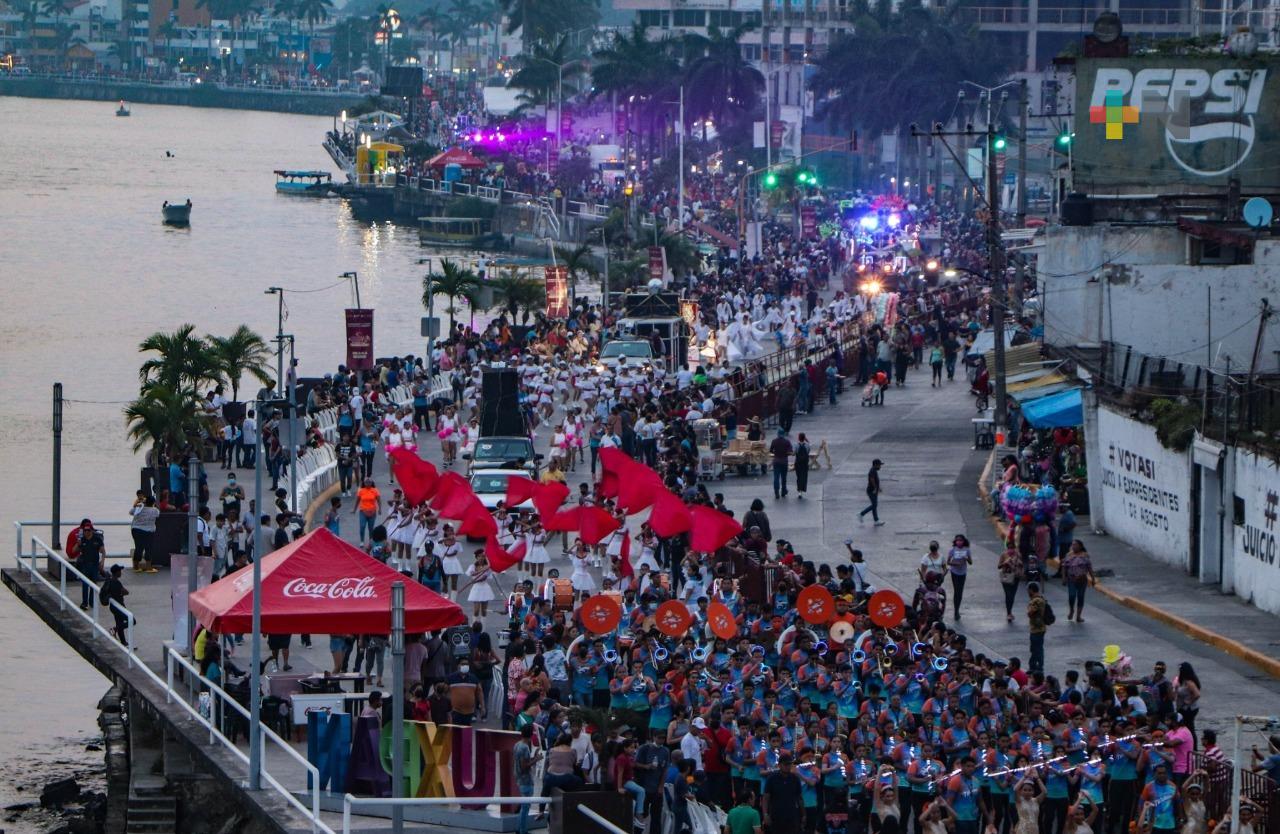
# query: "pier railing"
x,y
220,704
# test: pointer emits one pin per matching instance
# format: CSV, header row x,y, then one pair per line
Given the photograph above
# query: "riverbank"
x,y
303,102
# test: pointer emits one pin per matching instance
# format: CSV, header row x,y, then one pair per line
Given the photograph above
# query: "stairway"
x,y
151,810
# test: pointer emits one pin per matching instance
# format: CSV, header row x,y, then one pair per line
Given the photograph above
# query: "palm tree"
x,y
243,352
682,255
164,418
640,72
517,295
452,282
626,274
385,17
314,11
579,262
167,30
184,362
540,70
719,84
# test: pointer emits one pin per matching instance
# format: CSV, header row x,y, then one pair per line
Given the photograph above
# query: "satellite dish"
x,y
1257,212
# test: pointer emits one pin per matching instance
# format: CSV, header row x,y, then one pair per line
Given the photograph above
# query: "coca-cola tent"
x,y
320,584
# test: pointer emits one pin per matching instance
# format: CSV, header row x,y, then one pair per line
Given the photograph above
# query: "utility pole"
x,y
1022,153
292,435
431,312
995,268
193,545
680,200
255,645
278,292
354,278
56,516
397,704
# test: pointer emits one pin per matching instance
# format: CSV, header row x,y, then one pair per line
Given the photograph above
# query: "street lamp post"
x,y
278,292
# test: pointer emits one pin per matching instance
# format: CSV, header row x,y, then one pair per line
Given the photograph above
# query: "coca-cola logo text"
x,y
348,587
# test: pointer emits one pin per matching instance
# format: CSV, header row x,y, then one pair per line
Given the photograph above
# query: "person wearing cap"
x,y
692,744
873,493
89,550
113,590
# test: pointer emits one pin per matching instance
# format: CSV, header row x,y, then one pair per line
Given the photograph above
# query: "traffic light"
x,y
1064,139
999,143
770,180
802,177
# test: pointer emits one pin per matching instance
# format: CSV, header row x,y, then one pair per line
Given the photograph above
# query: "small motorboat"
x,y
304,183
122,110
177,214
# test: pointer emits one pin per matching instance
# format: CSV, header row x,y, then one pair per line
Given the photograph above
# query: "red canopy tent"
x,y
320,584
455,156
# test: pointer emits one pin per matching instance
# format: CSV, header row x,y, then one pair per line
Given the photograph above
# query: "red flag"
x,y
548,498
711,529
475,519
456,503
449,483
670,517
624,559
499,559
614,465
565,521
417,477
596,524
521,489
638,489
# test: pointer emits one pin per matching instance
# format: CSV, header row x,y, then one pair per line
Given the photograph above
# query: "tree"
x,y
184,362
626,274
167,30
452,282
544,20
313,11
165,418
682,256
901,68
243,352
578,263
642,73
540,70
517,295
386,19
719,83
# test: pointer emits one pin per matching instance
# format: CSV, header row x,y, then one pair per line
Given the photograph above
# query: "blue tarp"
x,y
1062,409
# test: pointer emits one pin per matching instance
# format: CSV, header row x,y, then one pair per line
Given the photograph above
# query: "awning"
x,y
1031,381
1026,395
455,156
320,584
1061,410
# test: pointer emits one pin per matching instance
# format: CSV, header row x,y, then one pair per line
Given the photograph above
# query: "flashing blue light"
x,y
870,222
894,221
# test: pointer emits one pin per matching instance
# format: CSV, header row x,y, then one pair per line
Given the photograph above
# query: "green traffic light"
x,y
770,180
1064,139
999,143
802,177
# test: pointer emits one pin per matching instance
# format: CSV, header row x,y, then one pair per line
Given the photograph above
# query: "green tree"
x,y
518,296
545,20
540,70
314,11
166,419
642,73
682,256
453,282
624,275
167,30
579,263
719,83
243,352
184,362
900,68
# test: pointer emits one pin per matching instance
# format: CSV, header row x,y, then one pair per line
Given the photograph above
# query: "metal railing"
x,y
350,802
1255,787
220,701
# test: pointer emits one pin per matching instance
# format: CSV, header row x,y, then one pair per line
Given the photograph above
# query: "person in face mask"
x,y
231,496
466,699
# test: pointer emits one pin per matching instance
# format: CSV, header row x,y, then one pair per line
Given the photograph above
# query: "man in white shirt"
x,y
692,744
248,440
357,407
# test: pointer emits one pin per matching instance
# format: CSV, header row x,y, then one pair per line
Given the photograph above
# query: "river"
x,y
88,271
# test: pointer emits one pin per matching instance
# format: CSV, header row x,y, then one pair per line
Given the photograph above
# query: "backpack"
x,y
1049,617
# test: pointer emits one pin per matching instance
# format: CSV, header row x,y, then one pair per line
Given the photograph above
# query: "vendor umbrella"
x,y
320,584
455,156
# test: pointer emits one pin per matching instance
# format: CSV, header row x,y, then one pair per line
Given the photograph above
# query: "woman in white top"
x,y
482,579
582,580
449,551
536,549
447,429
648,549
933,562
392,439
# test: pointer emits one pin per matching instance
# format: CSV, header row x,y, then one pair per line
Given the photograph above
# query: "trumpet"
x,y
857,686
667,687
729,689
759,649
891,650
700,653
820,647
610,656
660,654
858,656
940,664
917,649
920,677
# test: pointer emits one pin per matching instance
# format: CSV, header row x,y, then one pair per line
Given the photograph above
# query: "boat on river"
x,y
304,183
123,109
176,214
460,232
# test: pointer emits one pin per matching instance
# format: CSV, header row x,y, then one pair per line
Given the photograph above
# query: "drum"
x,y
562,594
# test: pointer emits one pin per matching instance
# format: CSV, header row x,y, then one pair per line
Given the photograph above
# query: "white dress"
x,y
536,545
403,529
647,556
449,559
582,579
482,590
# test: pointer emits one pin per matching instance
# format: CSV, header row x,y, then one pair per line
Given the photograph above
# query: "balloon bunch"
x,y
1019,503
1046,503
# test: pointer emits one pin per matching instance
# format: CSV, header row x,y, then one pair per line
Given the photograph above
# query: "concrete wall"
x,y
1142,488
1254,550
1131,285
204,95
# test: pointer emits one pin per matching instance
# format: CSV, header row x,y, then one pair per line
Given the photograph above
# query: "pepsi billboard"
x,y
1170,124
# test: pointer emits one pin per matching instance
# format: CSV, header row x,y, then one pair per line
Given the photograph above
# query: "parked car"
x,y
504,453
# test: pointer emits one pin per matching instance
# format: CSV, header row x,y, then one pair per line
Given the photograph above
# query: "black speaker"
x,y
500,414
651,305
403,82
459,640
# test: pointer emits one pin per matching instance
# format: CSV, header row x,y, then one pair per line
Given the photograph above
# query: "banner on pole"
x,y
657,262
359,339
557,292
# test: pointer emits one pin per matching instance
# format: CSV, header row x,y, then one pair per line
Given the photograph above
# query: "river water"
x,y
87,271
